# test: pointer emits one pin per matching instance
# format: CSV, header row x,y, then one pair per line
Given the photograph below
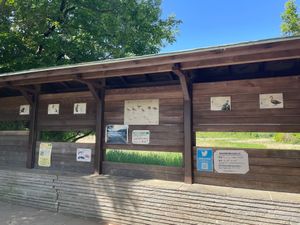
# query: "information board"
x,y
231,161
141,137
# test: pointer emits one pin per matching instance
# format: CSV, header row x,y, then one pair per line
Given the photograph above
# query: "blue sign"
x,y
205,159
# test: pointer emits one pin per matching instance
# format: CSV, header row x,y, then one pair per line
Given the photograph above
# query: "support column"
x,y
186,86
98,92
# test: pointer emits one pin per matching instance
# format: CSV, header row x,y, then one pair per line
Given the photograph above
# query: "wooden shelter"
x,y
184,83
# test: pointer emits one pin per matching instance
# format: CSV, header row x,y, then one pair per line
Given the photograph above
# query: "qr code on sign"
x,y
204,166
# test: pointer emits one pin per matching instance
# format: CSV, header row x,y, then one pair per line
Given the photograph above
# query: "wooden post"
x,y
186,86
98,92
34,105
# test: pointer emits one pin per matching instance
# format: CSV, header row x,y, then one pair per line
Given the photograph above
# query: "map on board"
x,y
141,112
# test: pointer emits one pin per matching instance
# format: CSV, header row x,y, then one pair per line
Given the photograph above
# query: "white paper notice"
x,y
53,109
141,137
141,112
220,103
271,101
79,108
84,155
231,161
24,110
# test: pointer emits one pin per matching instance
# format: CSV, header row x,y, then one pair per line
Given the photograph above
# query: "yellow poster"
x,y
45,154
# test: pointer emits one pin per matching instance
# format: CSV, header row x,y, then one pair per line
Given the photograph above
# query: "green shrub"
x,y
291,138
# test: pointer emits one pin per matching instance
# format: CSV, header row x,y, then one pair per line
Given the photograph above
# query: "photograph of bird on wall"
x,y
270,101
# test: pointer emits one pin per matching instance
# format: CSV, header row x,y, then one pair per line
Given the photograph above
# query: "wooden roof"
x,y
191,60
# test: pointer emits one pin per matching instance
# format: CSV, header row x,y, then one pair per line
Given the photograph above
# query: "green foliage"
x,y
287,138
290,19
13,125
54,32
63,136
142,157
236,135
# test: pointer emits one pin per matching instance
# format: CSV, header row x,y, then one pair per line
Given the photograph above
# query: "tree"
x,y
55,32
291,20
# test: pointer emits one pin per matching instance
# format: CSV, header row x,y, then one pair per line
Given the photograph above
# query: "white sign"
x,y
141,137
53,109
45,154
220,103
271,101
24,110
231,161
141,112
84,155
79,108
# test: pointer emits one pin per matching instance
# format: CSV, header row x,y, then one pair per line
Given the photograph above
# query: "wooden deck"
x,y
118,200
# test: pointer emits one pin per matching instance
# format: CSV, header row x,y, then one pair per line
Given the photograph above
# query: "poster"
x,y
220,103
141,112
79,108
141,137
45,154
84,155
53,109
271,101
231,161
205,159
116,134
24,110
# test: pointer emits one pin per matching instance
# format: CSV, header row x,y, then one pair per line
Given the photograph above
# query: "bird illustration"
x,y
77,108
274,101
226,106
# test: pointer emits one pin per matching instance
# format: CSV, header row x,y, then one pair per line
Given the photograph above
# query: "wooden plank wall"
x,y
246,114
63,158
276,170
66,120
13,147
143,171
168,135
10,107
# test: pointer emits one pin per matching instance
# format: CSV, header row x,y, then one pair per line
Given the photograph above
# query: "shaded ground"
x,y
19,215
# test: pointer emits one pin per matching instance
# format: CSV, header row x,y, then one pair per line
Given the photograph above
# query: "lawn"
x,y
142,157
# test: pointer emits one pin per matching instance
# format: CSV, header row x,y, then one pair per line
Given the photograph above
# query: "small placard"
x,y
271,101
116,134
45,154
84,155
53,109
231,161
205,159
220,103
24,110
79,108
141,137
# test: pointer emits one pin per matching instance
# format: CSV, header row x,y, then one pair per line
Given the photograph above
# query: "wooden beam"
x,y
98,92
34,105
186,86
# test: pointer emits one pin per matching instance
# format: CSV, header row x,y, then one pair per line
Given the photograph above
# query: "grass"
x,y
141,157
243,140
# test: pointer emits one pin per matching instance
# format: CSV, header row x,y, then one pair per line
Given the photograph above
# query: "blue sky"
x,y
217,22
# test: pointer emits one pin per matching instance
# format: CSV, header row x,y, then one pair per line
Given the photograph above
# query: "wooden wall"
x,y
168,135
63,158
10,107
13,147
246,114
276,170
66,120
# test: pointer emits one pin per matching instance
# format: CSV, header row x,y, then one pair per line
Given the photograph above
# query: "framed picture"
x,y
220,103
141,112
53,109
271,101
116,134
79,108
83,155
24,110
141,137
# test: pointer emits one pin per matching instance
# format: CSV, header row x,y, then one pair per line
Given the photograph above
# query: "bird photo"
x,y
270,101
222,103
